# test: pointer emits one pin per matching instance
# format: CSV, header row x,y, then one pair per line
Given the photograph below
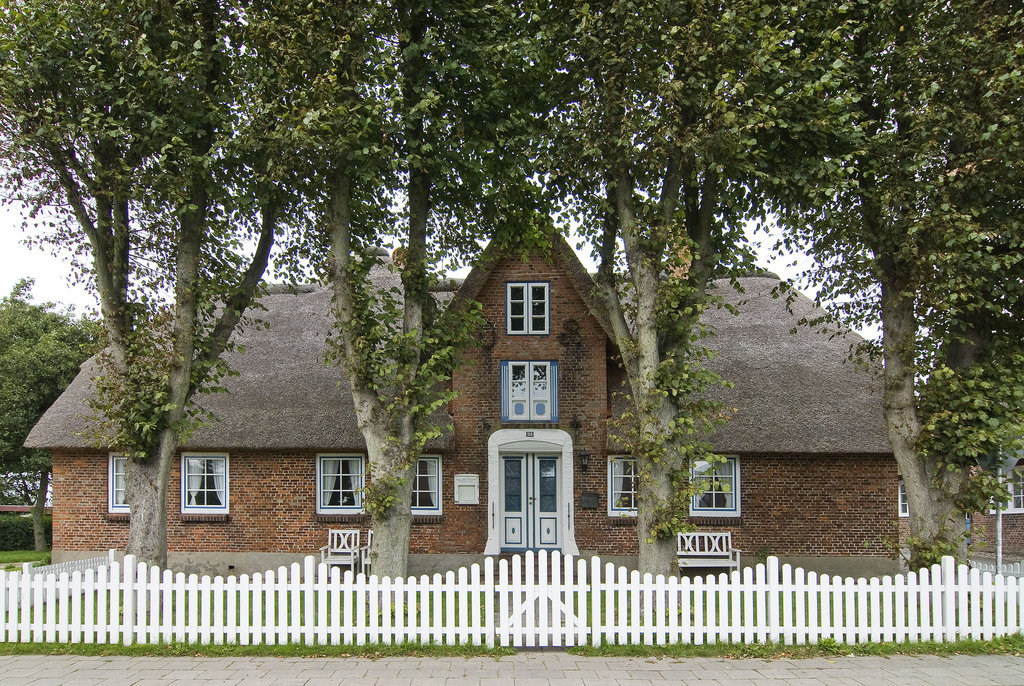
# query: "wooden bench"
x,y
706,549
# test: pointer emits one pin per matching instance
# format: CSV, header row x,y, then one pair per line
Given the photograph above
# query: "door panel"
x,y
530,501
513,497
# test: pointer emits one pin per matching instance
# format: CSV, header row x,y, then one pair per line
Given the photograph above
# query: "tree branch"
x,y
243,294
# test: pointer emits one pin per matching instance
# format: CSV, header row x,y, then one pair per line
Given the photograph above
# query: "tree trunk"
x,y
391,528
936,523
146,483
655,555
39,509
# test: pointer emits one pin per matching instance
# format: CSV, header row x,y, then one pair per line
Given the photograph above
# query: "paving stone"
x,y
534,668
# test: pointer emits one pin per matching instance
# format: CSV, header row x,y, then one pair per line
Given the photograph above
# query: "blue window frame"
x,y
426,485
621,485
116,498
527,308
204,483
719,483
340,480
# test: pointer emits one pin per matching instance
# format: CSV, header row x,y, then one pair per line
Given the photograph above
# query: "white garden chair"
x,y
364,554
342,548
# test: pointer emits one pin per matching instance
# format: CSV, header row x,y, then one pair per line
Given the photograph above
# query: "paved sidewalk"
x,y
541,668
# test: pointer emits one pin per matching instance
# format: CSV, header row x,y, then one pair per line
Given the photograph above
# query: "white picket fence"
x,y
541,600
70,567
1008,568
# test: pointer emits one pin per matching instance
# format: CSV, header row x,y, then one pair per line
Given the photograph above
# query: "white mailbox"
x,y
467,489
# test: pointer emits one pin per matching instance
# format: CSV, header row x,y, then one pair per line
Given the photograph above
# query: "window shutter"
x,y
553,373
504,392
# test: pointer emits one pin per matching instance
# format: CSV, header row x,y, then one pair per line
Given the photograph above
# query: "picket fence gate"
x,y
534,600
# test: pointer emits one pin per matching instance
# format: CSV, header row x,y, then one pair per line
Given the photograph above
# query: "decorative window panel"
x,y
529,391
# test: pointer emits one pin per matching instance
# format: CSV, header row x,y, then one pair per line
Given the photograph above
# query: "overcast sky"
x,y
52,272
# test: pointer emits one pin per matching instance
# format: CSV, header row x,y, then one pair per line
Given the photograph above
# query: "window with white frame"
x,y
904,504
1016,483
621,485
340,480
529,391
527,308
117,500
426,485
204,483
719,484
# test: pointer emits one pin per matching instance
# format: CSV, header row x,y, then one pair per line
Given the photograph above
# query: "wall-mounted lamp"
x,y
584,460
584,456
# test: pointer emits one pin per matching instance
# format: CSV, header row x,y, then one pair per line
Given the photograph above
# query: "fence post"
x,y
489,624
128,572
595,601
949,589
773,599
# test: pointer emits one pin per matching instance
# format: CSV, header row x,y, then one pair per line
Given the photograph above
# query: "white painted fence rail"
x,y
541,600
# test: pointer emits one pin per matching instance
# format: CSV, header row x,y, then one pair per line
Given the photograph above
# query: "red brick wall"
x,y
786,510
577,342
789,505
983,535
819,505
271,499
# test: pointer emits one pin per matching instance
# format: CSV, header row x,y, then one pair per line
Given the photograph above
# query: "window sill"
x,y
198,517
427,518
530,424
622,520
117,516
716,520
341,518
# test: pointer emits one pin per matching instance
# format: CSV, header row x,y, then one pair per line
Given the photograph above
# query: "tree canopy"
x,y
41,350
671,121
411,136
132,123
915,223
171,140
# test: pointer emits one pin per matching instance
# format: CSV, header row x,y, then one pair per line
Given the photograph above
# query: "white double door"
x,y
530,501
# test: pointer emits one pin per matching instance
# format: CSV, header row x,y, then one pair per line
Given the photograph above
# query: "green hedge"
x,y
16,532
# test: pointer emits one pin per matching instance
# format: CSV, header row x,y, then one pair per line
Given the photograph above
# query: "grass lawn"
x,y
1011,645
13,559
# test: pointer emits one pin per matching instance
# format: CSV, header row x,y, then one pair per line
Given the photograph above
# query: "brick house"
x,y
527,462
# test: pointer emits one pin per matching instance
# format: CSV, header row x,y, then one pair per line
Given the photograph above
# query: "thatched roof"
x,y
284,397
794,389
793,392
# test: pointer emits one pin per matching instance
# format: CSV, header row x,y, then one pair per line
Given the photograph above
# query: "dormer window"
x,y
529,391
527,308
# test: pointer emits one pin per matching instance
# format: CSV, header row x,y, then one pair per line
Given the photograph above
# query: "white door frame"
x,y
530,441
